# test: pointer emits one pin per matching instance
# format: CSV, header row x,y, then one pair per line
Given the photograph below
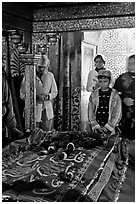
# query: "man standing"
x,y
49,92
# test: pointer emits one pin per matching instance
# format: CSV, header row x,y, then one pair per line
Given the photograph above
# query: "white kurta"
x,y
50,88
39,104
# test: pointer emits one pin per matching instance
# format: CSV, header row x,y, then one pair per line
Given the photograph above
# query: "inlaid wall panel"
x,y
85,10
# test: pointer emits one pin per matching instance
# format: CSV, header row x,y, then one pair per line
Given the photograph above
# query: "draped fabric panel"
x,y
23,65
15,71
32,171
16,66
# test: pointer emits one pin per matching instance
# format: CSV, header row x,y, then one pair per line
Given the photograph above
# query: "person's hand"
x,y
46,97
97,85
128,101
17,134
99,131
40,97
105,131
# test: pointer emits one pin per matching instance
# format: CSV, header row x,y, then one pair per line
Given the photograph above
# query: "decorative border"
x,y
85,10
76,109
103,179
85,24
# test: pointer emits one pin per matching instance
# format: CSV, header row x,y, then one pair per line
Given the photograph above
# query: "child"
x,y
104,109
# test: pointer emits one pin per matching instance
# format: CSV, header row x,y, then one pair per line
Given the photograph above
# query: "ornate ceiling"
x,y
41,5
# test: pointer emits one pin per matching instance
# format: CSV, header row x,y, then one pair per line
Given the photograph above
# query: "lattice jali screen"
x,y
116,45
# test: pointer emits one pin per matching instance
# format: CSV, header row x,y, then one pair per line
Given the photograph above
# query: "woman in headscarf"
x,y
92,82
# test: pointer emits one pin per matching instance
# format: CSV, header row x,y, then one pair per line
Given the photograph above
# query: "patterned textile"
x,y
30,172
114,110
103,108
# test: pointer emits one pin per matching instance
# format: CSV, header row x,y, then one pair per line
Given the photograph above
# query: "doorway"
x,y
115,45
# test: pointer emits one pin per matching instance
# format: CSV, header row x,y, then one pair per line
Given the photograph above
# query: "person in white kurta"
x,y
50,91
46,91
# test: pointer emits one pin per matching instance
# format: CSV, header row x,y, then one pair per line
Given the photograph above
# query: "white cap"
x,y
44,61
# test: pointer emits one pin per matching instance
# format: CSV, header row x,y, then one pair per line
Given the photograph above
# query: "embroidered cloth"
x,y
34,174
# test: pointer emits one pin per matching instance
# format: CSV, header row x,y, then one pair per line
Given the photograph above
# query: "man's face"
x,y
41,69
131,65
104,83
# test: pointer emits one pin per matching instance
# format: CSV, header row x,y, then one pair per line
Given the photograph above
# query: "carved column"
x,y
71,64
30,102
66,83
